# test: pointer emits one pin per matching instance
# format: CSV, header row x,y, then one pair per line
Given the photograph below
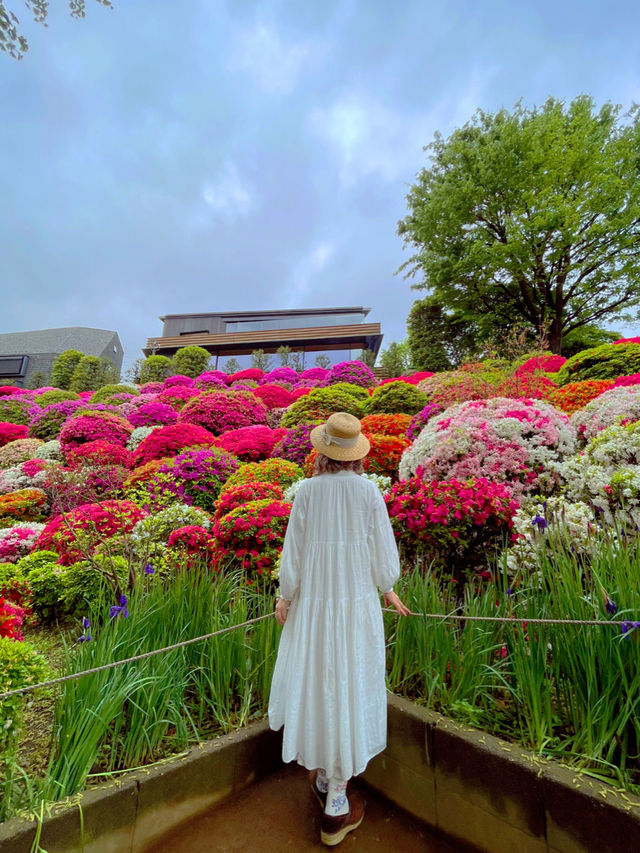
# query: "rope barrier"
x,y
442,616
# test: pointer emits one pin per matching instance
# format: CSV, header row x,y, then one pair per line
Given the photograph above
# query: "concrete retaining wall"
x,y
482,791
494,795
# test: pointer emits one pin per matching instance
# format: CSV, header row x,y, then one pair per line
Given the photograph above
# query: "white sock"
x,y
337,802
322,783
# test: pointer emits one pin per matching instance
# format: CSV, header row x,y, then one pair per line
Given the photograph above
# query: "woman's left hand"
x,y
282,610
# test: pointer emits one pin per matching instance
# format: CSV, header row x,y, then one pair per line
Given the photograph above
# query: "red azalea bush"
x,y
252,534
22,505
274,396
541,364
300,391
178,395
419,375
279,471
12,432
76,534
239,495
458,524
68,488
385,424
9,390
634,379
576,395
170,440
11,619
526,385
250,444
99,452
221,411
92,426
153,412
385,454
146,471
253,374
192,539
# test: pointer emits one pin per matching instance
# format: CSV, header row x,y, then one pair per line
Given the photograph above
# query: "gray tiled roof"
x,y
88,341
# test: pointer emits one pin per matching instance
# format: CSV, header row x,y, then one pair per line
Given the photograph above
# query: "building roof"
x,y
88,341
288,312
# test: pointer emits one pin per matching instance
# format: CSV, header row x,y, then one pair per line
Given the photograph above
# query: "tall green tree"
x,y
190,361
92,373
396,359
64,366
11,39
438,339
531,215
155,368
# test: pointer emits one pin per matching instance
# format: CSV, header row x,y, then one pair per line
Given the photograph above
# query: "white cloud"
x,y
230,195
272,63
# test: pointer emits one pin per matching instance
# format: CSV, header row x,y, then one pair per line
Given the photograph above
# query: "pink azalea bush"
x,y
633,379
76,534
253,374
170,440
17,541
252,535
250,444
616,406
503,440
48,422
221,411
459,524
178,395
354,372
11,432
313,377
16,409
93,426
541,364
19,451
98,452
211,379
295,445
421,419
191,539
455,386
178,380
152,412
11,619
280,374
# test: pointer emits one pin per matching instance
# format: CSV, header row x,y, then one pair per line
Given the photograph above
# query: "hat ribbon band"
x,y
340,442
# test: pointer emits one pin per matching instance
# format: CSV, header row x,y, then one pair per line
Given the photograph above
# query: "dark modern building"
x,y
340,333
24,353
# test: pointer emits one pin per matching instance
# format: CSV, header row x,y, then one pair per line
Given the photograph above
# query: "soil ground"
x,y
280,813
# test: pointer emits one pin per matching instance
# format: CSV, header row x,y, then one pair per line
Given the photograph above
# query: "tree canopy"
x,y
11,39
531,215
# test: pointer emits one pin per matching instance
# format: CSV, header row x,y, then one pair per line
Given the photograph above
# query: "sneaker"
x,y
320,795
335,829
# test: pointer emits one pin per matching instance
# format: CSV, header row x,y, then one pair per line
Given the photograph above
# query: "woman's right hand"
x,y
391,599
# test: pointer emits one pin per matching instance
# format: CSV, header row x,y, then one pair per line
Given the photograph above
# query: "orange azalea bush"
x,y
385,424
572,397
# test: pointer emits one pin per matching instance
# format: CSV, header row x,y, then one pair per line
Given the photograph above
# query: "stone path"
x,y
280,813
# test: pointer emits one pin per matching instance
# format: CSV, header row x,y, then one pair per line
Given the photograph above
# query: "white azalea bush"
x,y
138,436
616,406
505,440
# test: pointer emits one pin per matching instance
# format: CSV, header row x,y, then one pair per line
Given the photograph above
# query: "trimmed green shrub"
x,y
191,361
318,404
155,368
46,580
604,362
103,394
57,395
396,398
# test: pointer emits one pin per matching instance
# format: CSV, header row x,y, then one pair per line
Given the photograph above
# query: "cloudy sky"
x,y
192,156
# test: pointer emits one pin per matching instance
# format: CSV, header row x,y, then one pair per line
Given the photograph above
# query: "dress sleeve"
x,y
385,562
293,547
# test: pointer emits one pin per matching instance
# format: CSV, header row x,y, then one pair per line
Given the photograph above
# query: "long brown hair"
x,y
323,465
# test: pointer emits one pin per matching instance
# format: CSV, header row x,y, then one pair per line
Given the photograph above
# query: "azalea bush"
x,y
633,379
295,445
152,412
19,451
11,432
98,452
75,535
194,477
220,411
250,444
242,494
190,540
385,454
22,505
456,524
283,375
252,536
251,374
421,419
313,377
456,386
93,426
31,474
503,440
108,392
574,396
150,535
171,440
17,541
386,424
177,396
395,397
281,472
318,404
603,362
616,406
274,396
354,372
211,379
530,385
17,410
47,423
546,363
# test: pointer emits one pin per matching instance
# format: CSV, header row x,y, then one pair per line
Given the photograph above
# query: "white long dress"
x,y
328,687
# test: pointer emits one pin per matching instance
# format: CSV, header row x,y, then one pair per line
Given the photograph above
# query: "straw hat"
x,y
340,438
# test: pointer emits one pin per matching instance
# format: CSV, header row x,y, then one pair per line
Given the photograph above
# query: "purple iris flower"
x,y
509,591
539,521
611,607
86,637
627,627
118,609
148,569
